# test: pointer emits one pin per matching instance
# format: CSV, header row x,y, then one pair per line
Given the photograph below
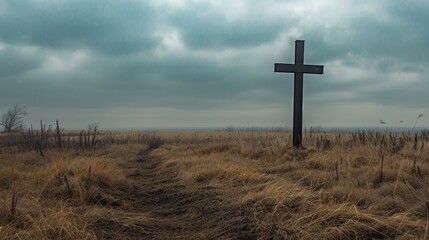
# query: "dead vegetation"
x,y
211,185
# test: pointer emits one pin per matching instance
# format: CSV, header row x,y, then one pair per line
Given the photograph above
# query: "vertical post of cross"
x,y
298,69
298,94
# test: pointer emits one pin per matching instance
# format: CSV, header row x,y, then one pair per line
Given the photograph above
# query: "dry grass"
x,y
60,197
210,185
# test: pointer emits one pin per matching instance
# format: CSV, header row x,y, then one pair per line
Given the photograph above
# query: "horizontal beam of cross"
x,y
294,68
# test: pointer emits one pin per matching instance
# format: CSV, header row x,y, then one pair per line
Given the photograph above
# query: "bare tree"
x,y
13,119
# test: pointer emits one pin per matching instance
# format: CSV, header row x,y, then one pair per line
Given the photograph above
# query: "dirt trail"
x,y
179,211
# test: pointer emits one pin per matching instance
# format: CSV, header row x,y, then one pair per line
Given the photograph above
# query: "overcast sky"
x,y
195,63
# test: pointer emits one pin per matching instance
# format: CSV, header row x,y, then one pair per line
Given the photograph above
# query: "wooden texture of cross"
x,y
298,69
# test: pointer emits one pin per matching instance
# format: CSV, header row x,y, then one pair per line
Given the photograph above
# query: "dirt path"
x,y
179,211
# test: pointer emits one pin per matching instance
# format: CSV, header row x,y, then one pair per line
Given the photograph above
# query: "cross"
x,y
298,69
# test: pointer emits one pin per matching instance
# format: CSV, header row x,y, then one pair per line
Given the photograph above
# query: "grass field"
x,y
214,185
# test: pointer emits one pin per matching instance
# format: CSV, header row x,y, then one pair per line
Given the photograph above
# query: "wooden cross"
x,y
298,69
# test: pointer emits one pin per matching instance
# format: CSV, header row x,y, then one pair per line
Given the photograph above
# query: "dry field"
x,y
213,185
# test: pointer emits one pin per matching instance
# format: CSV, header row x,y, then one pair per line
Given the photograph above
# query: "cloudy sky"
x,y
196,63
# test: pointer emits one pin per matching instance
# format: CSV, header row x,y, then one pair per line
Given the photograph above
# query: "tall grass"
x,y
246,185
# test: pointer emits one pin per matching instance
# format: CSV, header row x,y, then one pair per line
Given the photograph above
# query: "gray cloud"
x,y
203,28
15,63
394,32
111,27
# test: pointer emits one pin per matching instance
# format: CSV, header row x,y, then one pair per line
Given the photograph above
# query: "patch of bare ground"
x,y
181,210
